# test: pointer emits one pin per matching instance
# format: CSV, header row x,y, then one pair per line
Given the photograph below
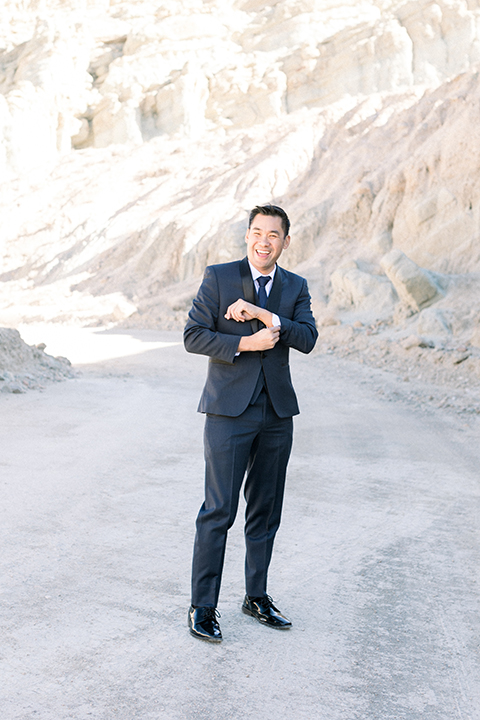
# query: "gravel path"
x,y
376,561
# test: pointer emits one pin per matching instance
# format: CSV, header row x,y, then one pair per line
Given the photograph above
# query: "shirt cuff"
x,y
276,323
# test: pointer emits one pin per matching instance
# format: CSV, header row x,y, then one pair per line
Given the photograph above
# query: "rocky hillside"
x,y
135,137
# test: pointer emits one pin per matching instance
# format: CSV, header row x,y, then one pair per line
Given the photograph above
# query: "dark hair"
x,y
273,211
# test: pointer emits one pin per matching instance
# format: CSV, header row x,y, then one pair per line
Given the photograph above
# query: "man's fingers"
x,y
235,311
232,312
267,338
235,315
240,311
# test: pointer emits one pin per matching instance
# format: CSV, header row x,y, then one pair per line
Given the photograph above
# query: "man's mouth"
x,y
263,253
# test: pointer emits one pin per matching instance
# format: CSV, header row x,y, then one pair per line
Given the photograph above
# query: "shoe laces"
x,y
265,600
211,613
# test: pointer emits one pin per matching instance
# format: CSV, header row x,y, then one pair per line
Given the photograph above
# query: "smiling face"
x,y
265,242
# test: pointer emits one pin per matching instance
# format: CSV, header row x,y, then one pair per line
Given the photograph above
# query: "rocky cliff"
x,y
135,137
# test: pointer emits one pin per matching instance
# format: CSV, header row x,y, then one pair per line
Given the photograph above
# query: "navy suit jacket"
x,y
231,379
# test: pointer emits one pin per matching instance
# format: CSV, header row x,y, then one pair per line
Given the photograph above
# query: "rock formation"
x,y
23,367
135,137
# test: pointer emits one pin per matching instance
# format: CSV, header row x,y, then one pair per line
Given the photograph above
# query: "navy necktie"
x,y
262,293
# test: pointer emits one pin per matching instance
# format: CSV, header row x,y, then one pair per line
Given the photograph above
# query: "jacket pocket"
x,y
216,361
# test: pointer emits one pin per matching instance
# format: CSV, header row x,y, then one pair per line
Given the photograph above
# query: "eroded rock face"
x,y
101,73
361,118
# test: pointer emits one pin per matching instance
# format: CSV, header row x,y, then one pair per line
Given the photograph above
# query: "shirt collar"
x,y
256,274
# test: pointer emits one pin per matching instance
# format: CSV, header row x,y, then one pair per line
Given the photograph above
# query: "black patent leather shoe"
x,y
263,610
203,624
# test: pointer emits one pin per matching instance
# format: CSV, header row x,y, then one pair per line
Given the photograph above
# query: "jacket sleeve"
x,y
201,335
300,331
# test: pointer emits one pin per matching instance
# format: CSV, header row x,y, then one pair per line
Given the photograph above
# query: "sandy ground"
x,y
376,562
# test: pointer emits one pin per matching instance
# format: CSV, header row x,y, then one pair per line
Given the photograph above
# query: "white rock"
x,y
180,105
23,366
115,122
433,322
413,285
413,341
475,336
354,289
45,86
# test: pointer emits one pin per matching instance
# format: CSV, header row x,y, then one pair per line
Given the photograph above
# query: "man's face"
x,y
265,242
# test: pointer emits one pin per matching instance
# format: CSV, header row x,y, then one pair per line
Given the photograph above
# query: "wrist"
x,y
266,317
244,344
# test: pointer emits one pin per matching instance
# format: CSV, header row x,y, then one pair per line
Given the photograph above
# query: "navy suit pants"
x,y
256,444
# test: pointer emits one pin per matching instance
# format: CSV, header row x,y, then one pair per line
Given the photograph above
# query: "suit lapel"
x,y
247,281
248,288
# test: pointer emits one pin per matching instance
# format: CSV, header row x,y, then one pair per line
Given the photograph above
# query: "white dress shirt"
x,y
268,287
255,275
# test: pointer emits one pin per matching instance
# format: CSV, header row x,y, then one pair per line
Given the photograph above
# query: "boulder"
x,y
433,322
355,289
415,286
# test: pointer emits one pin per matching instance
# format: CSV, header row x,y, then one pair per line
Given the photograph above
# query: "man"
x,y
246,317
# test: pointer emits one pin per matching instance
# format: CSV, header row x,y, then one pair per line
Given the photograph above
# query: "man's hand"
x,y
241,310
264,339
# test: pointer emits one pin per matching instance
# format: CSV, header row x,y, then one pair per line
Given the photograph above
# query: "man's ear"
x,y
286,242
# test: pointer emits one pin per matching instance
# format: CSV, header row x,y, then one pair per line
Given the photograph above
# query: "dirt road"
x,y
376,562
